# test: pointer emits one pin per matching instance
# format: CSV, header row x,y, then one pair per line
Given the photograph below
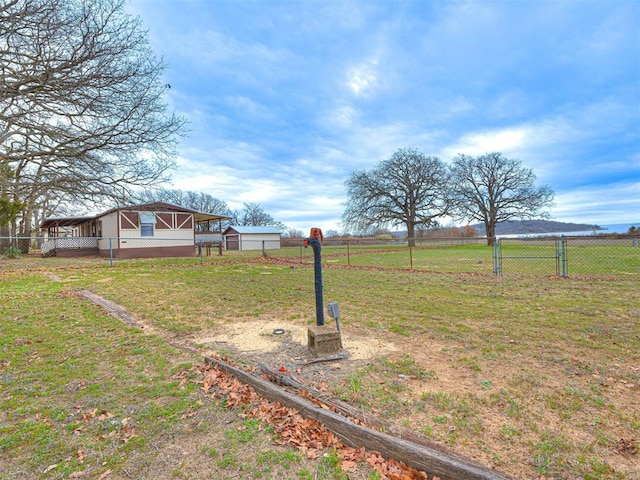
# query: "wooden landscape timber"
x,y
433,460
111,308
343,408
123,314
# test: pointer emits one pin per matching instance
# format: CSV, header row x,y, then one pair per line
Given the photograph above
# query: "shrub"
x,y
11,252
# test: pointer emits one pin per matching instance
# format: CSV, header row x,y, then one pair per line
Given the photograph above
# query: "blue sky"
x,y
286,98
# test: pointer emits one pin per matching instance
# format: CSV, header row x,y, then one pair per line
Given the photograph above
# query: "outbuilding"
x,y
238,237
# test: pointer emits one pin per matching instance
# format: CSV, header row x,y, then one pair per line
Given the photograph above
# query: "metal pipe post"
x,y
317,269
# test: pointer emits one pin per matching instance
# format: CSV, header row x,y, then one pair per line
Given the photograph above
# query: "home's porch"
x,y
69,247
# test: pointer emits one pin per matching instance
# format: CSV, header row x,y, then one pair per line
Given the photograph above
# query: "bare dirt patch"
x,y
263,336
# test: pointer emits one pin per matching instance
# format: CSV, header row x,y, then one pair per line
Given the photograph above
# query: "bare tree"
x,y
293,233
409,189
254,215
82,109
199,201
493,189
150,195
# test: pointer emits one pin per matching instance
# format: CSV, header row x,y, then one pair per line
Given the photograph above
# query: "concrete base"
x,y
323,340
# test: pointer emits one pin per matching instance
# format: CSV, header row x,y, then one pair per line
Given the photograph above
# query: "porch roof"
x,y
65,221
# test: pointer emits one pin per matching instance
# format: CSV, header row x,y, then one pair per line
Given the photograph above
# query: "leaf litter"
x,y
291,428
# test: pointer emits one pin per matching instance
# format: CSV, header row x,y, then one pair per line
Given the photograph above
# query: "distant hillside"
x,y
537,226
528,227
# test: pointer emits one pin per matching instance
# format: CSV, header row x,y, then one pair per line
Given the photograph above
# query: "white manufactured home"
x,y
150,230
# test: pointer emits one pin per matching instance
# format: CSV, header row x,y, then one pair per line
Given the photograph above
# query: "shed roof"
x,y
243,229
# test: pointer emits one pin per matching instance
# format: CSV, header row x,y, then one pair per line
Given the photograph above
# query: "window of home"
x,y
147,223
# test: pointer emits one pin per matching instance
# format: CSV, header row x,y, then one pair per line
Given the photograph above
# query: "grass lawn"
x,y
85,396
532,375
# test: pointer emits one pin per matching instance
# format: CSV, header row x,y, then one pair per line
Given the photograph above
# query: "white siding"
x,y
109,230
249,241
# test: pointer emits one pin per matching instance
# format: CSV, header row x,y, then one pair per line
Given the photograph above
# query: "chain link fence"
x,y
564,256
41,252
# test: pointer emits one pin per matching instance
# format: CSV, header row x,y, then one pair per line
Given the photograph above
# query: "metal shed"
x,y
238,237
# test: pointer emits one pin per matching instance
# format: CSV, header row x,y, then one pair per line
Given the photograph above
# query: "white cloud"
x,y
286,99
479,143
619,203
362,79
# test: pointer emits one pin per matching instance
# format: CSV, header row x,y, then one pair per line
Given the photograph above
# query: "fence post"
x,y
563,254
348,254
200,248
264,250
496,257
410,257
110,252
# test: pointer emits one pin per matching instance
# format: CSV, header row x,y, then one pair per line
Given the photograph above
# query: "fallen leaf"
x,y
628,446
347,465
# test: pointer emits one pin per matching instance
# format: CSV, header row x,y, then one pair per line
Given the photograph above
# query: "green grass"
x,y
584,256
72,375
83,394
537,355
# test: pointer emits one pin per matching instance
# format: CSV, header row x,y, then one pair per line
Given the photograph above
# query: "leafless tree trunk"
x,y
202,202
254,215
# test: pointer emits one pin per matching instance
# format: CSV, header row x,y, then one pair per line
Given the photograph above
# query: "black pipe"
x,y
317,269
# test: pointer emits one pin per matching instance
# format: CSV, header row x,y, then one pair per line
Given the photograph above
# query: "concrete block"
x,y
323,340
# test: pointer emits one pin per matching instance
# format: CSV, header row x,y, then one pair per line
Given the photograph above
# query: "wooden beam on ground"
x,y
110,307
435,462
123,314
326,358
343,408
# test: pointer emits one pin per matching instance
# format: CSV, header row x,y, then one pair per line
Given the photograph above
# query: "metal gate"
x,y
539,255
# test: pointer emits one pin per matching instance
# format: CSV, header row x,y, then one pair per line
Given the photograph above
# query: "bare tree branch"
x,y
409,189
82,109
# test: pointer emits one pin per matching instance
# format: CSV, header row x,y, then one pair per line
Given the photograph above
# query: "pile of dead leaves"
x,y
307,435
627,446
